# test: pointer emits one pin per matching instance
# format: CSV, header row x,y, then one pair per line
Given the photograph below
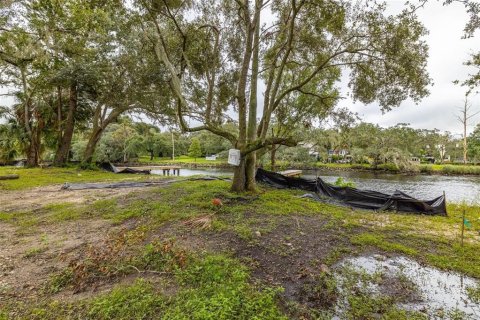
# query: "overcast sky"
x,y
445,64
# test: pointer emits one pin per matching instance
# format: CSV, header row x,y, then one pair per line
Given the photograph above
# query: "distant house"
x,y
338,152
213,157
311,149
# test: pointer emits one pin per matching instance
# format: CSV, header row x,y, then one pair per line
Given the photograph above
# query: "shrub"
x,y
340,182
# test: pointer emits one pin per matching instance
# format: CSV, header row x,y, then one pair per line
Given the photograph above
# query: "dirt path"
x,y
27,261
31,199
28,258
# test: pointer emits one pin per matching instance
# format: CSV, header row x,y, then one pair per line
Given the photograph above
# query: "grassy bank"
x,y
449,169
446,169
170,253
36,177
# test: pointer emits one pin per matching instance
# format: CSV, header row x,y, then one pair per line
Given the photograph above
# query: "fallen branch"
x,y
147,271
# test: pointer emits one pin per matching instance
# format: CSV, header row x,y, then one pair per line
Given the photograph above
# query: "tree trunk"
x,y
61,156
465,146
250,169
32,153
272,157
99,125
151,155
59,116
33,148
92,144
239,177
251,158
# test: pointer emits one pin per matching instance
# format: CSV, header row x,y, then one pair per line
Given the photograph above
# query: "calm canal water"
x,y
425,187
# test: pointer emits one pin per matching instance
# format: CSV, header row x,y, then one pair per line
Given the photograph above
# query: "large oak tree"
x,y
222,56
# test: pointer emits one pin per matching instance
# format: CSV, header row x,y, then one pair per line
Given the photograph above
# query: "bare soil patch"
x,y
29,258
35,198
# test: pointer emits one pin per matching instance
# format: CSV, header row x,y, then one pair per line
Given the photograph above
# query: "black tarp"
x,y
111,168
365,199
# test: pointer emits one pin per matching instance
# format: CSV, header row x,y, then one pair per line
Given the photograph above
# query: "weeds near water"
x,y
473,293
340,182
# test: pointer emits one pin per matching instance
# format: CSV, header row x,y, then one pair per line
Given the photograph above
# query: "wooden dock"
x,y
165,169
291,173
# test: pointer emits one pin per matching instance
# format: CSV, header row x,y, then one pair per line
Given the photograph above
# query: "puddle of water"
x,y
439,290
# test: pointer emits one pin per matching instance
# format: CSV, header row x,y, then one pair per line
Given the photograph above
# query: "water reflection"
x,y
425,187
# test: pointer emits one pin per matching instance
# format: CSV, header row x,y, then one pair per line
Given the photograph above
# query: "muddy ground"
x,y
31,199
293,248
288,251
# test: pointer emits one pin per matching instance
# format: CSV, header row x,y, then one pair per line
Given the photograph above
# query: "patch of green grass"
x,y
138,301
62,211
24,219
140,208
450,169
286,202
458,169
324,290
244,231
217,287
36,177
336,254
427,168
209,287
103,208
454,257
59,281
379,241
5,216
30,253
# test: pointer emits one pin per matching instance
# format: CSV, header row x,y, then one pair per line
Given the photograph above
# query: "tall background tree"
x,y
464,117
74,64
195,150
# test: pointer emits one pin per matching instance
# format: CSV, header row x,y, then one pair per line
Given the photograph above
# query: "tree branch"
x,y
259,144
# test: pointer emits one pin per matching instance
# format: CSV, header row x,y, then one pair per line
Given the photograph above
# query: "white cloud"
x,y
448,52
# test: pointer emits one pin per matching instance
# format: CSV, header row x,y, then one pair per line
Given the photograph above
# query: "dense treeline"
x,y
399,147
